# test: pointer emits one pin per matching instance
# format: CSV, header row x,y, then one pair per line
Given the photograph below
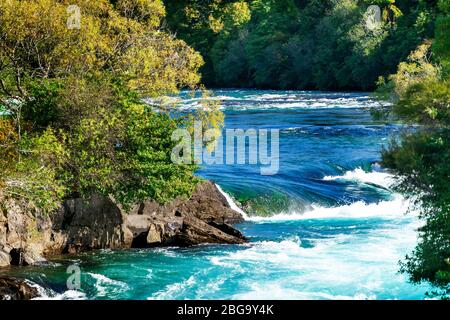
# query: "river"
x,y
326,226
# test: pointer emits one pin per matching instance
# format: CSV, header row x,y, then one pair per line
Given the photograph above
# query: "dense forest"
x,y
300,44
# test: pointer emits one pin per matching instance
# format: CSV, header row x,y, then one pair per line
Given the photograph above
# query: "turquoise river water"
x,y
326,226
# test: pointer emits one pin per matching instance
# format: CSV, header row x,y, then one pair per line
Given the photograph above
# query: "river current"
x,y
326,226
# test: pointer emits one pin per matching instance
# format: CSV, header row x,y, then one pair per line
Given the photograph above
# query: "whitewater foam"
x,y
397,207
382,179
49,294
239,101
231,203
67,295
105,285
344,265
174,289
277,292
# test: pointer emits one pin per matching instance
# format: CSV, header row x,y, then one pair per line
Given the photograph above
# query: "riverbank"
x,y
28,237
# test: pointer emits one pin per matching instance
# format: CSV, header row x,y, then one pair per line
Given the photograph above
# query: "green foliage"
x,y
444,6
419,89
73,123
112,43
441,45
426,102
147,168
8,145
420,92
37,174
129,153
422,161
42,110
301,44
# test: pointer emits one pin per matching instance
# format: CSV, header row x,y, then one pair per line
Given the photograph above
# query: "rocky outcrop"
x,y
205,218
26,236
196,231
149,231
16,289
207,203
96,224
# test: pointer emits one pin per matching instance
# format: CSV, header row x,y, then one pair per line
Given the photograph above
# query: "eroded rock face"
x,y
204,218
99,223
26,237
21,242
207,203
91,225
16,289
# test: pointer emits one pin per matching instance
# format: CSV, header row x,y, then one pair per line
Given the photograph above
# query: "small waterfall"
x,y
231,202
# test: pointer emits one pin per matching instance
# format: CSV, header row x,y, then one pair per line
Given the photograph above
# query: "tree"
x,y
334,48
441,45
390,12
420,92
73,122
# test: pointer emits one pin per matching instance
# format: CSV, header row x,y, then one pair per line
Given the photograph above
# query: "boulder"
x,y
196,231
93,224
203,218
210,205
206,203
180,231
16,289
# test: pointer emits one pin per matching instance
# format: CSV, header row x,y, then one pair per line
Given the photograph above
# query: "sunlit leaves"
x,y
73,122
420,92
441,45
37,172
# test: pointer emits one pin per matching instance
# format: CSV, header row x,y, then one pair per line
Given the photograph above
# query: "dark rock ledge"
x,y
26,237
16,289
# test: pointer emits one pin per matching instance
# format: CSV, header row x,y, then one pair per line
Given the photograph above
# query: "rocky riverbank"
x,y
17,289
27,237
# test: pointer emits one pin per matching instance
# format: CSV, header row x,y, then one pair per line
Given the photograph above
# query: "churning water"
x,y
327,226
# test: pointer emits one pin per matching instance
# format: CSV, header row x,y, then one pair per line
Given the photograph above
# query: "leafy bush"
x,y
73,122
420,92
422,160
